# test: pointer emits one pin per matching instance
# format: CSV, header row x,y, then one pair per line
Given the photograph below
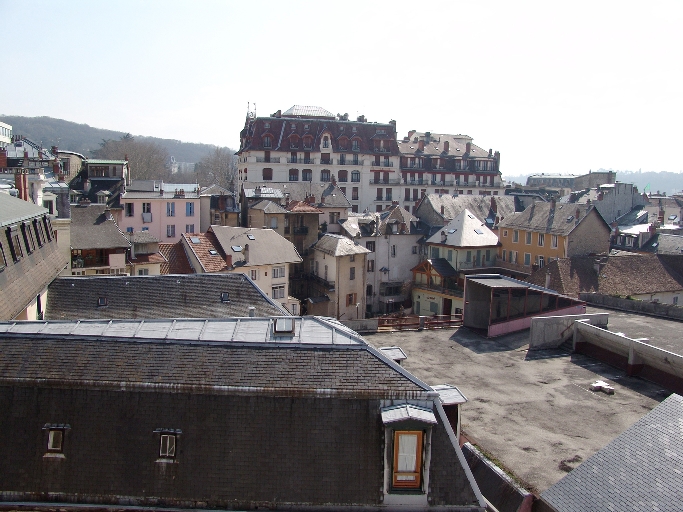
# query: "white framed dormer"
x,y
407,452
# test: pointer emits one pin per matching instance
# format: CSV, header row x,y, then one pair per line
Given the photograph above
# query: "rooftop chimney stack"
x,y
446,146
421,145
468,148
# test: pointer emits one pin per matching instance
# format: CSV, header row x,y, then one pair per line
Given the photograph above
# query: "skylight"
x,y
236,248
284,325
251,237
213,252
194,240
225,297
451,231
478,231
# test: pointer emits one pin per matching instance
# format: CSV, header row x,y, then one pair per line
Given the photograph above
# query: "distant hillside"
x,y
82,138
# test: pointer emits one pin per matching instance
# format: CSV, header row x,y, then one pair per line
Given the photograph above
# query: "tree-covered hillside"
x,y
84,139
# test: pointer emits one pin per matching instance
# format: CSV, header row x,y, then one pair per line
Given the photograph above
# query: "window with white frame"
x,y
253,274
170,209
189,209
528,238
170,230
167,446
541,239
541,261
189,228
553,241
515,235
278,272
279,292
143,271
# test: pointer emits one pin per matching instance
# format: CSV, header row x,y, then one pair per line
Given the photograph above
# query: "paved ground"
x,y
533,411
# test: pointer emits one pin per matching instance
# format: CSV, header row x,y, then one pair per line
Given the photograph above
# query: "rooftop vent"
x,y
284,325
225,297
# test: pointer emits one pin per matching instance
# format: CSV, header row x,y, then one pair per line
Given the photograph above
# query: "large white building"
x,y
311,144
5,135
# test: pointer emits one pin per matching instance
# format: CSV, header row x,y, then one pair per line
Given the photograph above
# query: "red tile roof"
x,y
207,251
177,262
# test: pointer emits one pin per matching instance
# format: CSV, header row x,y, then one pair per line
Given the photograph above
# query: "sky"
x,y
556,87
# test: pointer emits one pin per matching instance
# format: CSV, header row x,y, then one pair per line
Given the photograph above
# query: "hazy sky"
x,y
555,88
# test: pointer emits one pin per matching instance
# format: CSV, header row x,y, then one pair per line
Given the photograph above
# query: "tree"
x,y
220,167
146,160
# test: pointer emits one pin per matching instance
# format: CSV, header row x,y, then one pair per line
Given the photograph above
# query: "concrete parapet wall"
x,y
552,331
366,325
637,306
519,324
497,487
653,363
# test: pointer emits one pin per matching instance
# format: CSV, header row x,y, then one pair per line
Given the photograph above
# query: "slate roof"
x,y
543,218
480,206
202,245
215,190
378,224
177,262
465,231
93,227
268,207
164,296
22,281
231,355
300,190
338,245
662,243
435,146
442,267
144,237
267,247
622,275
640,470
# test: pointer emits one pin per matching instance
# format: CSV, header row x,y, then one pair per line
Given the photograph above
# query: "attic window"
x,y
470,216
225,297
102,301
451,231
236,248
673,217
478,231
284,325
306,127
194,240
213,252
251,237
266,125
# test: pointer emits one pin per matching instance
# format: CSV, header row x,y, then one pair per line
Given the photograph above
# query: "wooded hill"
x,y
84,139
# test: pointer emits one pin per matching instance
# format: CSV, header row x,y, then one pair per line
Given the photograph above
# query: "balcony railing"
x,y
415,182
414,166
326,162
382,164
387,181
309,161
269,160
382,150
358,163
453,291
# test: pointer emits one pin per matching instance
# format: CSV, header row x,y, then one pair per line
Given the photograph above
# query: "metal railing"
x,y
388,181
269,160
415,322
381,164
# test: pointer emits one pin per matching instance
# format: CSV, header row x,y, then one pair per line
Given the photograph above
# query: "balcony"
x,y
326,162
317,279
358,163
387,181
308,161
382,150
446,183
415,182
450,289
269,160
412,166
380,164
300,230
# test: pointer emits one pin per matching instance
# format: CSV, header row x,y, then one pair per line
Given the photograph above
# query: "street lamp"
x,y
357,305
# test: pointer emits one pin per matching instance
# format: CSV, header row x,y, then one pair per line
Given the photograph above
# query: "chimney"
x,y
468,147
428,137
403,227
221,202
257,191
63,203
442,210
446,146
652,229
601,196
252,309
287,199
577,214
19,184
3,158
322,199
421,145
228,260
245,251
443,237
494,204
490,152
410,134
394,203
547,279
126,157
552,203
588,201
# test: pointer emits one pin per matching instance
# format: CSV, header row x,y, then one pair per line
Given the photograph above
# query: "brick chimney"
x,y
577,214
228,260
3,157
446,146
245,251
494,204
410,134
468,147
552,203
421,145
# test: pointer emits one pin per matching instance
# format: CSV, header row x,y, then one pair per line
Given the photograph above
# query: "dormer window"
x,y
293,126
225,297
306,127
266,125
326,142
267,141
355,145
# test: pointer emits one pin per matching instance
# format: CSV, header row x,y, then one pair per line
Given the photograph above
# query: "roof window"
x,y
194,239
213,252
225,297
102,301
285,325
478,231
236,248
251,237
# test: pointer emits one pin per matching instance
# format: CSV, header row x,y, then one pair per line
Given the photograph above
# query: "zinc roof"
x,y
14,210
307,111
465,231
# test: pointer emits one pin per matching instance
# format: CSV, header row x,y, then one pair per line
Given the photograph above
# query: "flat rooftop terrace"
x,y
533,411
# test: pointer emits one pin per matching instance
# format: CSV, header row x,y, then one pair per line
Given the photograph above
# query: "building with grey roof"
x,y
153,297
29,258
640,470
440,209
227,413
